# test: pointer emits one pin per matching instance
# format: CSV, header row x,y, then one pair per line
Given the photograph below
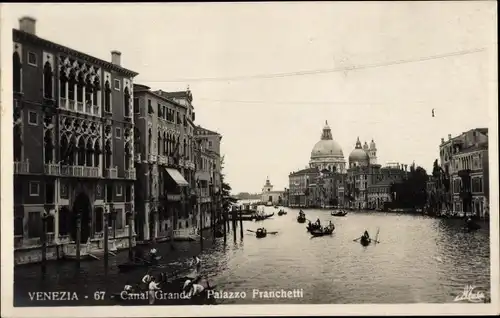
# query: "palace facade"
x,y
73,145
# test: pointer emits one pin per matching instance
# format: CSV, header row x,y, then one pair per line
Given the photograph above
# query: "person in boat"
x,y
192,288
366,236
197,263
147,278
330,224
152,287
128,288
309,224
318,222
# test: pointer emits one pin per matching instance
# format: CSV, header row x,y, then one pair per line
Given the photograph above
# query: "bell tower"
x,y
372,153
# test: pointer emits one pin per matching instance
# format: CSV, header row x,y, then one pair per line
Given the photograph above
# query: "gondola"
x,y
261,233
313,227
365,241
263,217
281,212
138,263
339,213
328,230
301,219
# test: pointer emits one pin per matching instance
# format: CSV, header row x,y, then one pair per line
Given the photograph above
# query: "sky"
x,y
267,76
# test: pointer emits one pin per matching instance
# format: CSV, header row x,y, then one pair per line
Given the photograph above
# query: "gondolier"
x,y
197,263
153,287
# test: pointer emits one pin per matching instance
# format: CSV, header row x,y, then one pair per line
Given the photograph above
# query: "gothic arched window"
x,y
63,79
89,153
47,80
127,157
72,151
89,87
107,97
79,88
126,102
18,143
71,85
81,152
107,155
165,144
97,87
150,141
48,149
64,149
17,69
97,153
159,143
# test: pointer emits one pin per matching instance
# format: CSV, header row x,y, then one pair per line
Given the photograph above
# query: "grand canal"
x,y
418,259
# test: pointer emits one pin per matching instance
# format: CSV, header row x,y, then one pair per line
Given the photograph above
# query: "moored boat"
x,y
129,266
301,219
260,217
281,212
313,226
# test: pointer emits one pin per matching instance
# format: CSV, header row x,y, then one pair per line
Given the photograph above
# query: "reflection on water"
x,y
419,259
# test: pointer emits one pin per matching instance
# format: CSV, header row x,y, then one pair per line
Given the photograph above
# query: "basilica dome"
x,y
326,147
359,155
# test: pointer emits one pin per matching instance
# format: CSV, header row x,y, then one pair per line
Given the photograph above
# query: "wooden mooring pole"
x,y
241,223
106,243
235,216
130,248
78,237
44,244
201,226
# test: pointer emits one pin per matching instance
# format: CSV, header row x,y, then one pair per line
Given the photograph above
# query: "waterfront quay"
x,y
419,259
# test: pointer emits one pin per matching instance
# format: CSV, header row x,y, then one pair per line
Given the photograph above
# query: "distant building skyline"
x,y
371,82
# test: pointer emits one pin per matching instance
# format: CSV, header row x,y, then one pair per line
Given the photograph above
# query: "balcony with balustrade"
x,y
79,107
111,173
22,167
130,174
71,104
52,169
63,103
80,171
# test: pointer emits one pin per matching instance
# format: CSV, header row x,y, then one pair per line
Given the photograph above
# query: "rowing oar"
x,y
251,231
272,232
376,236
356,239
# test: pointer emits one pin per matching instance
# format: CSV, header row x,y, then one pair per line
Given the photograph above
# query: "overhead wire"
x,y
322,71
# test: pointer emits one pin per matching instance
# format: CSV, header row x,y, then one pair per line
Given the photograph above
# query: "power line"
x,y
323,71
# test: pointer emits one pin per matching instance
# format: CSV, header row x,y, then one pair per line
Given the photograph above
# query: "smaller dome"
x,y
358,154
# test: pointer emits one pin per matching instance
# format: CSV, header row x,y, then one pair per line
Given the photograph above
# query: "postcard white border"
x,y
226,310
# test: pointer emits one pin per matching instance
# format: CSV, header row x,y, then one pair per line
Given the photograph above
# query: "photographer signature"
x,y
470,295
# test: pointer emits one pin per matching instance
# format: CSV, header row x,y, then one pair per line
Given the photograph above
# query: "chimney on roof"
x,y
449,136
28,25
116,57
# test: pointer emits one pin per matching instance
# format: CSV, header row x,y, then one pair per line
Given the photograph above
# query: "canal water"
x,y
419,260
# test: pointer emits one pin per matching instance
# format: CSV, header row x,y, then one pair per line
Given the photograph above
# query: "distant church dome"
x,y
359,156
326,147
327,153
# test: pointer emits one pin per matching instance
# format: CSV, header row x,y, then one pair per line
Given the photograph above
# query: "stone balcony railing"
x,y
71,104
130,174
63,102
52,169
22,167
80,171
79,107
111,173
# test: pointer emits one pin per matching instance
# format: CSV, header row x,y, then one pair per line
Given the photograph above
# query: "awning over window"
x,y
177,177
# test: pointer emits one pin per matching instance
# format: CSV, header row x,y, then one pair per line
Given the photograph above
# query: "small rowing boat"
x,y
339,213
260,217
365,241
138,263
328,230
281,212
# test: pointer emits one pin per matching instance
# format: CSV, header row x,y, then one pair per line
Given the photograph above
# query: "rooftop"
x,y
20,36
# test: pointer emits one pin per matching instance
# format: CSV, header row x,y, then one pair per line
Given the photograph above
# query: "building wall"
x,y
45,117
